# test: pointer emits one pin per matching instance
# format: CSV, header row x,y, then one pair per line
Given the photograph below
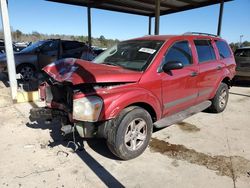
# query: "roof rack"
x,y
199,33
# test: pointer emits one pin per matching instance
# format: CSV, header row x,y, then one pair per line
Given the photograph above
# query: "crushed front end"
x,y
79,113
75,92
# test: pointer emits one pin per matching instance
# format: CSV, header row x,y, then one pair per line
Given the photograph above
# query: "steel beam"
x,y
89,26
149,25
9,48
220,18
157,16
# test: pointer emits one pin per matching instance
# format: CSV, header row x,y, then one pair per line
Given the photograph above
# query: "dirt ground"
x,y
206,150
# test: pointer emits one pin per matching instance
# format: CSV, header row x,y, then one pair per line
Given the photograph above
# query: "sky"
x,y
55,18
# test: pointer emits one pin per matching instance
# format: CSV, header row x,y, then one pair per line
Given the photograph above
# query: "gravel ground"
x,y
205,150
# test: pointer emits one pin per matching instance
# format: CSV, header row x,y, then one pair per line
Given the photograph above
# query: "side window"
x,y
50,46
205,50
223,49
69,45
181,52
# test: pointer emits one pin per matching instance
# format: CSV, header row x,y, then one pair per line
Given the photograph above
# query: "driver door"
x,y
179,87
49,52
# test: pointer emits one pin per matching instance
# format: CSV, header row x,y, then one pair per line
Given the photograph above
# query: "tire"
x,y
219,102
130,133
27,71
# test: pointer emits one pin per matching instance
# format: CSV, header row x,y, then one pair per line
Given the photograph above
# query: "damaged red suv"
x,y
138,84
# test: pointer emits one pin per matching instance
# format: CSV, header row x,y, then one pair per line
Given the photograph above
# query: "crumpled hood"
x,y
78,71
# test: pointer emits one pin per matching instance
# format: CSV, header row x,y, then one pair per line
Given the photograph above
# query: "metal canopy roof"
x,y
142,7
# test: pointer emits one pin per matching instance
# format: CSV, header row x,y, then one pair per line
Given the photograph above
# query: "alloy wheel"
x,y
136,134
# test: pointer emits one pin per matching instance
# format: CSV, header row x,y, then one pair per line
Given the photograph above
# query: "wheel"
x,y
27,71
130,133
219,102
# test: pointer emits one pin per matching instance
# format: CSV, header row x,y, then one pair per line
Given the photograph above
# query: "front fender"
x,y
114,104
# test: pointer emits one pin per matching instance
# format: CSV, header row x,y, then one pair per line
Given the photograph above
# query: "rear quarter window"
x,y
223,48
204,50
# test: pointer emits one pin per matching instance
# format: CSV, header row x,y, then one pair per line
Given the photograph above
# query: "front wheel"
x,y
130,133
219,102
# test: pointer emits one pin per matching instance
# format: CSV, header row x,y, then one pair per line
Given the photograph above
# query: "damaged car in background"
x,y
135,85
32,59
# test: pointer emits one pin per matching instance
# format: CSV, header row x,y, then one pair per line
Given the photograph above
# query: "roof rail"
x,y
199,33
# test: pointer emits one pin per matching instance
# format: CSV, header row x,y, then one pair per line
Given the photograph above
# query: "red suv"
x,y
138,84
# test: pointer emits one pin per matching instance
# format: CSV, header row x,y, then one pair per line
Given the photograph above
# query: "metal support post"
x,y
9,48
89,26
149,25
157,16
220,18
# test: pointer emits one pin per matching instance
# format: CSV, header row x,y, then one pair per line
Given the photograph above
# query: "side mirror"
x,y
172,65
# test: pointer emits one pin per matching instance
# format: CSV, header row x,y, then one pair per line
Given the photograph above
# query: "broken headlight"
x,y
87,108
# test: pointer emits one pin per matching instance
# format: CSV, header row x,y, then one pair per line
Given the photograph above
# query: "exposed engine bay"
x,y
58,98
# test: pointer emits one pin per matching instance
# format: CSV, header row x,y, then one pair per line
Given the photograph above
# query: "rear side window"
x,y
69,45
205,50
181,52
223,49
50,46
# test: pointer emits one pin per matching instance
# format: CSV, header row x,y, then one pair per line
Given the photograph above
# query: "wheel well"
x,y
227,81
22,64
148,108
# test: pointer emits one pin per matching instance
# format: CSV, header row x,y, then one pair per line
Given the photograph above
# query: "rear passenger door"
x,y
179,87
209,68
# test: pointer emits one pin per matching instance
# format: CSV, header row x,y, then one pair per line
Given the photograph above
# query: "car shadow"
x,y
96,144
239,94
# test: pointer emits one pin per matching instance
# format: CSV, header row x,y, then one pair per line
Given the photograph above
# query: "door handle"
x,y
218,67
193,74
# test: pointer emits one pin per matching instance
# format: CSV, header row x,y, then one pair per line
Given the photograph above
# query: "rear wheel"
x,y
27,71
130,133
219,102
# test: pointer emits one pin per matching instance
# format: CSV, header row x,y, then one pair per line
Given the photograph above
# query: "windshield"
x,y
134,54
33,46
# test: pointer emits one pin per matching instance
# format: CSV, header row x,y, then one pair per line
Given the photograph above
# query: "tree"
x,y
246,43
18,34
36,34
103,41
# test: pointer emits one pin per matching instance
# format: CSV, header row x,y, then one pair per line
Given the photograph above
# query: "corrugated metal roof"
x,y
142,7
